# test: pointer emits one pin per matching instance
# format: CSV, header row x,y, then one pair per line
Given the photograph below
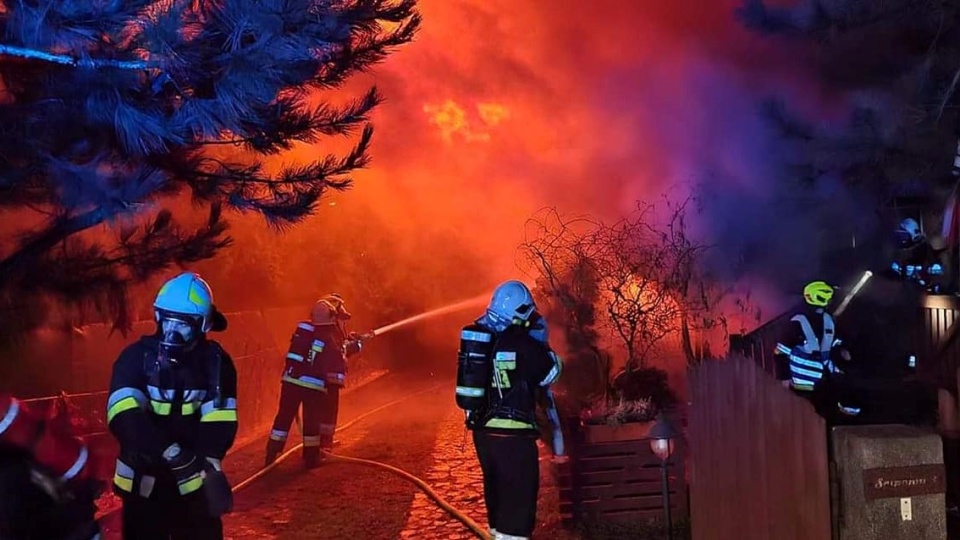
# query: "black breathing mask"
x,y
173,342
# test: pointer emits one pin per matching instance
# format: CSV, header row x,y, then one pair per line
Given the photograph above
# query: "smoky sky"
x,y
500,108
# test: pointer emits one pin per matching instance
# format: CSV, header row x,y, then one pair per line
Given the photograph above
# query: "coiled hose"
x,y
481,532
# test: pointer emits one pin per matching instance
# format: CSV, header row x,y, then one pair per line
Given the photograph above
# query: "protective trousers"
x,y
291,399
511,481
167,515
329,410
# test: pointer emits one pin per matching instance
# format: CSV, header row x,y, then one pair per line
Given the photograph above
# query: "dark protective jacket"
x,y
520,364
154,404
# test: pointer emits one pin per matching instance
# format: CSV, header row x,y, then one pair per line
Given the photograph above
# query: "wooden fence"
x,y
619,481
758,457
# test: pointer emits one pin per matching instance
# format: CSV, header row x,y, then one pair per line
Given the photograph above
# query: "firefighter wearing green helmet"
x,y
173,410
810,355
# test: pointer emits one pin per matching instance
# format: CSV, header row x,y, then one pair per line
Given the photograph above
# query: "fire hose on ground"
x,y
480,531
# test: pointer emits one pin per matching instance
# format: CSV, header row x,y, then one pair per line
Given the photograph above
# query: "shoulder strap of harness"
x,y
809,336
826,342
218,401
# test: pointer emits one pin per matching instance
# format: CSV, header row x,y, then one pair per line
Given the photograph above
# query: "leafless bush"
x,y
636,280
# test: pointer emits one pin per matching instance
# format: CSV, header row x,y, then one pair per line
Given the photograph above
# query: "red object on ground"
x,y
49,439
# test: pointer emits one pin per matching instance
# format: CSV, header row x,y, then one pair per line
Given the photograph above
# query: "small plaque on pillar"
x,y
899,482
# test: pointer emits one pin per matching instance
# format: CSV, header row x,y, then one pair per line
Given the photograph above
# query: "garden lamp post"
x,y
662,437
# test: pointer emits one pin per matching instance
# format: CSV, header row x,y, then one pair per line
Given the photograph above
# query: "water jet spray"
x,y
476,301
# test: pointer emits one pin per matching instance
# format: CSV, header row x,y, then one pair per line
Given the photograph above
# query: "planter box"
x,y
602,433
613,475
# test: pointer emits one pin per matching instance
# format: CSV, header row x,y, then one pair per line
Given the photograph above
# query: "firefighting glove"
x,y
186,468
216,489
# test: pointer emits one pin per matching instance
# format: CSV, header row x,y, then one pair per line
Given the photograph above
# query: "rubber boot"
x,y
274,449
326,442
311,457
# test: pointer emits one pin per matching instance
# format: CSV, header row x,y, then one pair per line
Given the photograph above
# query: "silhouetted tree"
x,y
110,108
898,64
638,281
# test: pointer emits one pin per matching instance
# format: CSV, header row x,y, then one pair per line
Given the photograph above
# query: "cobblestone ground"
x,y
279,519
245,460
456,478
343,500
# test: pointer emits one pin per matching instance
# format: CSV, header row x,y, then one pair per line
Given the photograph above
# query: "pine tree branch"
x,y
40,243
33,54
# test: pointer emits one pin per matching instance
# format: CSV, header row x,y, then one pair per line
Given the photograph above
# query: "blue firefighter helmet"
x,y
186,295
511,303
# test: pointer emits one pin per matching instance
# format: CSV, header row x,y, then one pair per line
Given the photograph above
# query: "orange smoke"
x,y
498,109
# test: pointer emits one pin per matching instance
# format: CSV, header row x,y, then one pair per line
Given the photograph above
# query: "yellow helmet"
x,y
818,293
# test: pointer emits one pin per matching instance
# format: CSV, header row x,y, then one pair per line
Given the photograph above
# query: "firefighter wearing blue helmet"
x,y
502,369
173,410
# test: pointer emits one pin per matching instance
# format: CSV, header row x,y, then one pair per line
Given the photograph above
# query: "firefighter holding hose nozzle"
x,y
315,369
811,358
501,370
346,345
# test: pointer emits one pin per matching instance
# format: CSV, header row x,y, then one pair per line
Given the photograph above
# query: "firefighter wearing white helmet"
x,y
909,233
314,372
501,370
173,409
916,261
347,345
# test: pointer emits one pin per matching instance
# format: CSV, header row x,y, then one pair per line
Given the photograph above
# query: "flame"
x,y
451,119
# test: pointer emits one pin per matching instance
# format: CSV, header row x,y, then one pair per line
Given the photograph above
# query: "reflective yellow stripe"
x,y
304,384
191,484
123,405
189,408
220,415
504,423
126,484
161,408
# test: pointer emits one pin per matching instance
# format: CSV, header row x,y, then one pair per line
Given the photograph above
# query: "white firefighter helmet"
x,y
323,313
187,294
339,307
909,232
512,303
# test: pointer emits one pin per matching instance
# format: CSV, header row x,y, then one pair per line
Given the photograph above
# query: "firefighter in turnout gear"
x,y
916,261
347,344
303,384
49,480
811,356
501,368
173,409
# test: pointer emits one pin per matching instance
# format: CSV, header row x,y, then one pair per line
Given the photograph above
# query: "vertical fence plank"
x,y
759,453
